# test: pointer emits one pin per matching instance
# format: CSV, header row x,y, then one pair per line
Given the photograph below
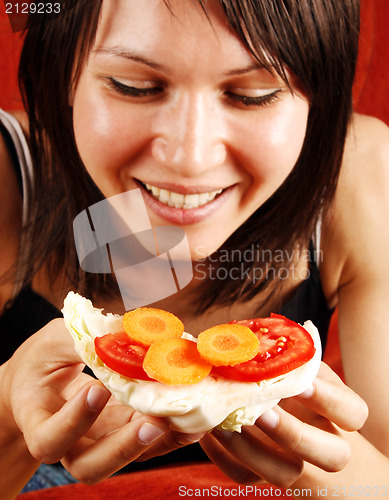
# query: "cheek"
x,y
275,142
105,137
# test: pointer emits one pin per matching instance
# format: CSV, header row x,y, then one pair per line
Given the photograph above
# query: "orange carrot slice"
x,y
175,362
146,325
227,345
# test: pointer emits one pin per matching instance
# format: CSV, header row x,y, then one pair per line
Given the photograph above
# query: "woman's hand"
x,y
305,428
67,415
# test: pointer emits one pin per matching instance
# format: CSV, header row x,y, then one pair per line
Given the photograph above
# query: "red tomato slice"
x,y
284,346
122,354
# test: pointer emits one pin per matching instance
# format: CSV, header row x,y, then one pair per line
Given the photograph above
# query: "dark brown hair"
x,y
316,39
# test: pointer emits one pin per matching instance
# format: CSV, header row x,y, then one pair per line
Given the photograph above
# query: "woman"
x,y
254,113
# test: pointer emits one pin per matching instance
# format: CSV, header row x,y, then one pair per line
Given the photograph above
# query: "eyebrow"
x,y
131,55
246,69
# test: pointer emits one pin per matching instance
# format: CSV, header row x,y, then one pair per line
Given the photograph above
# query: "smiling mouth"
x,y
179,200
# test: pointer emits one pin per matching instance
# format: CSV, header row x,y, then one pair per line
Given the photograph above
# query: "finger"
x,y
74,386
47,355
110,419
324,448
55,334
273,465
331,398
93,462
226,462
50,435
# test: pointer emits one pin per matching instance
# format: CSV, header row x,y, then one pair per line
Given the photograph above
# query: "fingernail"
x,y
308,393
268,420
149,433
190,438
97,397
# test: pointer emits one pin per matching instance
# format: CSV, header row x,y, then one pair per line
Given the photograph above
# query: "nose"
x,y
189,136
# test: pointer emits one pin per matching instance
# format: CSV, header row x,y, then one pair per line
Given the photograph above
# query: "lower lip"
x,y
182,216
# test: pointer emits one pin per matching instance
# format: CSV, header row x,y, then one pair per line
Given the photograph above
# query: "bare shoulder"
x,y
10,217
357,243
368,141
355,233
363,191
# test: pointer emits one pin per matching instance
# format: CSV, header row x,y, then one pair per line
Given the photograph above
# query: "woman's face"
x,y
172,103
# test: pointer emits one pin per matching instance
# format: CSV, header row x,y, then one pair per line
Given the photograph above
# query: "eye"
x,y
259,100
131,91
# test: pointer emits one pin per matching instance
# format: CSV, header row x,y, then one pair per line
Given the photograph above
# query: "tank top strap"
x,y
20,152
315,245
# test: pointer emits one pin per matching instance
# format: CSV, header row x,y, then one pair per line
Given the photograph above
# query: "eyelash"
x,y
264,100
129,91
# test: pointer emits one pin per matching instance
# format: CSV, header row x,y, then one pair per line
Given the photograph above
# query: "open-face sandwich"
x,y
225,378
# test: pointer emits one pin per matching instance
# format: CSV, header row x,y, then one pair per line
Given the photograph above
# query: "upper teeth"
x,y
179,200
